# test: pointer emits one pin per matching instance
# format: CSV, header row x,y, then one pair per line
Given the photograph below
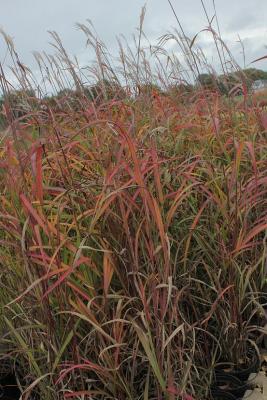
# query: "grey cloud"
x,y
28,21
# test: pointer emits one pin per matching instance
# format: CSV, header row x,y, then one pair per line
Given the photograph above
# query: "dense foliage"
x,y
133,236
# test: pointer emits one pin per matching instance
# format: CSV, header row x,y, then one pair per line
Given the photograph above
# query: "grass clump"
x,y
133,234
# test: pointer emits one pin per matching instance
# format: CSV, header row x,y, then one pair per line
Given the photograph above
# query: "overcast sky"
x,y
27,22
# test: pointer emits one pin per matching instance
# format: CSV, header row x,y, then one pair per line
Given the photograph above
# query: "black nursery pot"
x,y
218,394
240,371
231,381
8,388
230,384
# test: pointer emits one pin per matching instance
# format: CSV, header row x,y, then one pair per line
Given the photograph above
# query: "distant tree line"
x,y
21,102
227,82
